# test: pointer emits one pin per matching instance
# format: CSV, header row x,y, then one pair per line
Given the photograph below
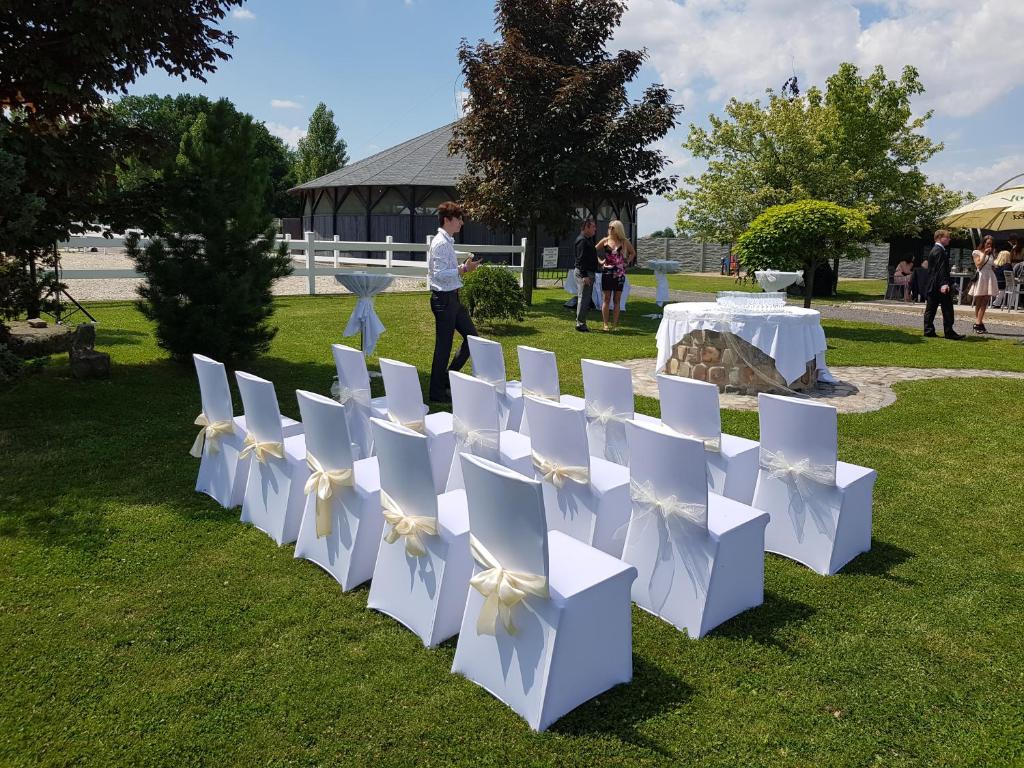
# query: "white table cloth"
x,y
364,318
773,280
662,268
790,336
570,286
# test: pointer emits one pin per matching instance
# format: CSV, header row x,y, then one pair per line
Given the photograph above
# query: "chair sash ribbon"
x,y
557,474
416,425
210,434
468,438
669,506
604,416
261,450
502,589
359,395
806,479
410,527
498,384
540,395
710,443
324,483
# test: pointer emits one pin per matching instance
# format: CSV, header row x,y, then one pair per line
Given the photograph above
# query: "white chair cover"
x,y
699,556
820,508
221,475
275,489
609,405
488,358
342,522
547,624
354,394
538,369
691,408
585,496
406,407
423,565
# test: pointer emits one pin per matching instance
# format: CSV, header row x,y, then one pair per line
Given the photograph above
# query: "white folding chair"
x,y
423,563
1011,295
275,489
475,422
221,474
406,407
820,507
342,521
354,394
538,369
584,496
691,408
699,556
547,625
488,358
608,391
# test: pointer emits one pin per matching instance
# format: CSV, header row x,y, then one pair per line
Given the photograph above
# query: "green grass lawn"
x,y
141,624
849,290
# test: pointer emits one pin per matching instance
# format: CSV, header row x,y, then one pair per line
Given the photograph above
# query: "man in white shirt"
x,y
444,278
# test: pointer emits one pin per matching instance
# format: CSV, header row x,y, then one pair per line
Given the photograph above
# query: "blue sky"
x,y
388,68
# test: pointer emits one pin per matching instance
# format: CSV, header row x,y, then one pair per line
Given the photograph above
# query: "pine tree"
x,y
320,150
210,270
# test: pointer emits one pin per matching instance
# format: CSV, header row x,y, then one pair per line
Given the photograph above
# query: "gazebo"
x,y
396,192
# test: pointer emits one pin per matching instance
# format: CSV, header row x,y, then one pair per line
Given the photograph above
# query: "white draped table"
x,y
773,280
791,336
364,320
662,268
570,287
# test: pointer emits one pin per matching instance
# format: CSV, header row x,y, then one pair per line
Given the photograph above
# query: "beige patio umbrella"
x,y
997,211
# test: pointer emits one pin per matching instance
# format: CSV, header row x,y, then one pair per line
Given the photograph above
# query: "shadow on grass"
x,y
878,335
112,337
764,624
503,329
618,712
880,561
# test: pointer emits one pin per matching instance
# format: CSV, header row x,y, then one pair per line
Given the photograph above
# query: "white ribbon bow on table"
x,y
557,474
416,425
211,433
324,483
360,395
260,450
471,437
498,384
502,589
804,476
364,319
410,527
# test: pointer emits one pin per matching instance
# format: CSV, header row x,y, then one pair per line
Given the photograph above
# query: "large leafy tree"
x,y
321,150
857,143
548,121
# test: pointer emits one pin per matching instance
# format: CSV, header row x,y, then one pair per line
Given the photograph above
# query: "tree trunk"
x,y
835,276
530,265
33,296
809,282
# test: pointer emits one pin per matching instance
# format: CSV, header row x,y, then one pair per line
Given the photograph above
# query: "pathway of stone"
x,y
859,388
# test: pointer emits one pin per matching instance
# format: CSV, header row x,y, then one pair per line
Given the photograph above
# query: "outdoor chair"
x,y
892,290
275,489
584,496
423,564
222,474
538,369
692,409
608,390
406,407
699,556
1011,297
547,624
341,522
475,422
488,358
820,507
354,394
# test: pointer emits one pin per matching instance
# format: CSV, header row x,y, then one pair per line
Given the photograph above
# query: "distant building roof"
x,y
423,161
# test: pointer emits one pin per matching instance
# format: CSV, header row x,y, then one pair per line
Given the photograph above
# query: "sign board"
x,y
550,258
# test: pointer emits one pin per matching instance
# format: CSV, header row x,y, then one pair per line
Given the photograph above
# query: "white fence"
x,y
313,255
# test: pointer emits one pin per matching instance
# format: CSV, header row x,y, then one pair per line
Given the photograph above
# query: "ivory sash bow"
x,y
324,483
669,506
260,449
416,425
471,437
211,433
498,384
410,527
710,443
557,474
800,472
502,589
360,395
540,395
605,415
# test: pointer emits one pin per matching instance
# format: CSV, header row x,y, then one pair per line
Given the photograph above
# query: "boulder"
x,y
35,322
89,364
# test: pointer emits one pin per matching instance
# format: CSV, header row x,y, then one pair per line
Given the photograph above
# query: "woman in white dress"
x,y
986,286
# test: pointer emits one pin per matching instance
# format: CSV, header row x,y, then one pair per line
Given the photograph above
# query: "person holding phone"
x,y
444,278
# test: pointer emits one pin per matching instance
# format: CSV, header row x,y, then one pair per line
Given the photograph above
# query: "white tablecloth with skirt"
x,y
774,280
572,288
662,268
790,336
365,285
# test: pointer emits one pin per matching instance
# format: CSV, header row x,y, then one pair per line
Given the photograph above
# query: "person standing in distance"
x,y
939,288
586,271
444,277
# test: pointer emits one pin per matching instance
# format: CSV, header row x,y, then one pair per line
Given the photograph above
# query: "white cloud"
x,y
408,3
285,104
739,48
979,179
290,133
243,13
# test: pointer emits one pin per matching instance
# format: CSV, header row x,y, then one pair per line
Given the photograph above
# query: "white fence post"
x,y
522,261
388,253
336,239
311,262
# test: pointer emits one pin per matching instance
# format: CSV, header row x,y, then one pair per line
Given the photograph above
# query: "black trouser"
x,y
584,295
449,316
937,299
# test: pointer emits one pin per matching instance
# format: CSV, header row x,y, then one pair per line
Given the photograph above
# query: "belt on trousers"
x,y
446,293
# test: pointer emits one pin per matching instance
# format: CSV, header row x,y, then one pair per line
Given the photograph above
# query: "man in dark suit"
x,y
586,271
939,288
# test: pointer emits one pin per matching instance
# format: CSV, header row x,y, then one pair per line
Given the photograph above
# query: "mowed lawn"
x,y
141,624
848,290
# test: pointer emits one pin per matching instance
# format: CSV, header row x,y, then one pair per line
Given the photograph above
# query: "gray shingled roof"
x,y
423,161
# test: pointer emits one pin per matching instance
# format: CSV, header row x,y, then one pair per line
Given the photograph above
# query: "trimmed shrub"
x,y
492,293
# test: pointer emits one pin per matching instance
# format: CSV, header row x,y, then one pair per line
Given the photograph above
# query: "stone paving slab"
x,y
859,389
